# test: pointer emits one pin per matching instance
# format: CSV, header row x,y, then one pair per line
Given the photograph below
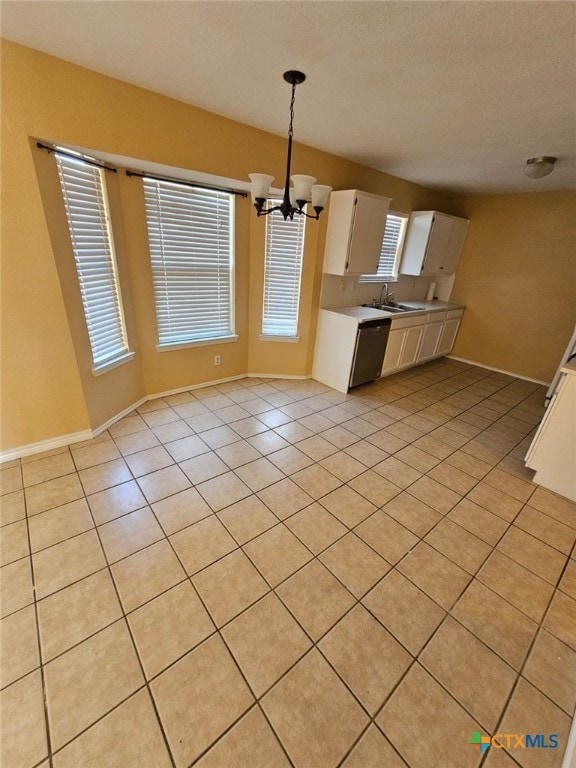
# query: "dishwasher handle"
x,y
379,323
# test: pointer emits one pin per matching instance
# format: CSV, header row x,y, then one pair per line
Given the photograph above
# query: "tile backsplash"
x,y
349,292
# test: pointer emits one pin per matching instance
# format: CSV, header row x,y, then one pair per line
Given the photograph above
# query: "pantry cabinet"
x,y
433,244
356,222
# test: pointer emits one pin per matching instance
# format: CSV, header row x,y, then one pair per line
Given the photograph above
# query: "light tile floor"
x,y
269,573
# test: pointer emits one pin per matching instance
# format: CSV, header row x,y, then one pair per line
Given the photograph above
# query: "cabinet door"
x,y
367,234
448,336
455,243
417,235
393,351
411,345
438,243
429,343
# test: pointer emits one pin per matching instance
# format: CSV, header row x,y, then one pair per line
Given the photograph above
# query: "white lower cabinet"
x,y
415,340
393,351
429,343
448,336
403,343
412,339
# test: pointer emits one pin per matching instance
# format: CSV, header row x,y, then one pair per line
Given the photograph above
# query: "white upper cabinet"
x,y
356,222
433,243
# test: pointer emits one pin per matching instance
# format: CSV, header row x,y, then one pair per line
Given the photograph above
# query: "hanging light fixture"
x,y
304,189
537,167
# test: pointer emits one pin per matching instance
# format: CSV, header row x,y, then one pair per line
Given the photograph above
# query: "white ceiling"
x,y
455,95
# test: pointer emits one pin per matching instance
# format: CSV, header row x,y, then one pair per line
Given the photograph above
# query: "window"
x,y
282,273
86,205
391,249
190,233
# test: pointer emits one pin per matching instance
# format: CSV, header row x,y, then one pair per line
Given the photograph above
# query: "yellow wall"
x,y
517,277
48,387
42,392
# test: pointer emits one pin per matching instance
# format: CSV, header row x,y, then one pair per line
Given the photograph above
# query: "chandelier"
x,y
304,189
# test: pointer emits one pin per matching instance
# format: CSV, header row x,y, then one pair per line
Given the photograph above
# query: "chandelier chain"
x,y
290,129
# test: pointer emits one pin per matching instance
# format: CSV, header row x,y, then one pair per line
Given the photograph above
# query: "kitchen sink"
x,y
388,307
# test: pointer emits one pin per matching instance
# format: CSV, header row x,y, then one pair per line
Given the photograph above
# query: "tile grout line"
x,y
527,656
38,640
455,522
268,486
341,485
316,643
272,590
315,557
134,647
218,633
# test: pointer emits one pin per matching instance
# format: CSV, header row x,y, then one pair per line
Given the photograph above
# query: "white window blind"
x,y
282,273
191,234
86,205
391,249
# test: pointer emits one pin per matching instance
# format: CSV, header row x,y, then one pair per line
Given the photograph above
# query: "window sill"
x,y
199,343
285,339
125,357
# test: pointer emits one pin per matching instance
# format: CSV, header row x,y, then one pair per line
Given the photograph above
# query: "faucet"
x,y
386,296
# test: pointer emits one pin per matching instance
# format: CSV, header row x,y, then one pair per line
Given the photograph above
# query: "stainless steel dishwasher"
x,y
369,351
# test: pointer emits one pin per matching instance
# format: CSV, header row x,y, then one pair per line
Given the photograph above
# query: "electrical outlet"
x,y
342,285
217,360
353,285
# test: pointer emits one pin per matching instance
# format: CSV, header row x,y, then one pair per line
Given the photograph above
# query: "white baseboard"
x,y
76,437
196,386
46,445
498,370
103,427
277,376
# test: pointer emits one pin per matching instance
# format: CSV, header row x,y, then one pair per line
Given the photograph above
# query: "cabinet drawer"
x,y
406,322
437,317
455,313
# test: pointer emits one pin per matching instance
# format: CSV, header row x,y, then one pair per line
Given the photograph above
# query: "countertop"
x,y
420,308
